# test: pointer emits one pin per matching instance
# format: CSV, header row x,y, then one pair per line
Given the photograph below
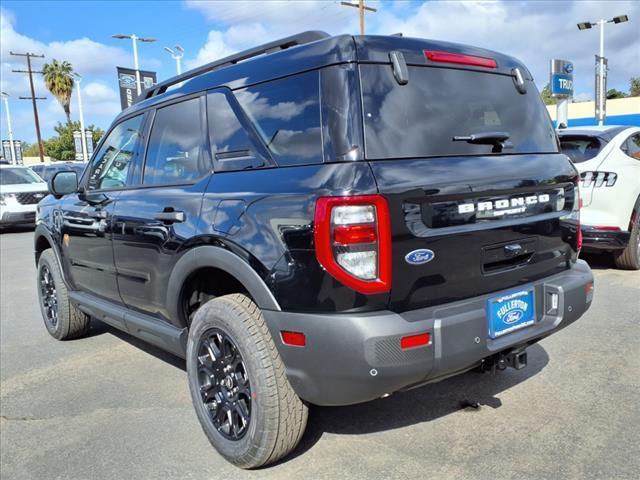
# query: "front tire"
x,y
238,385
629,258
62,319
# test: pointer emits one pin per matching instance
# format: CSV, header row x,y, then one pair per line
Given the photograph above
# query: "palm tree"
x,y
58,79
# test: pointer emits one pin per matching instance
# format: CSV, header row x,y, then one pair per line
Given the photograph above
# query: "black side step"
x,y
147,328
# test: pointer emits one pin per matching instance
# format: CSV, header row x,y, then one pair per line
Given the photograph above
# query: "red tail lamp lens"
x,y
460,59
354,234
296,339
353,241
413,341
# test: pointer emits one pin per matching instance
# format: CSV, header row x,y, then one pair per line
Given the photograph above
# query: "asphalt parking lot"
x,y
108,406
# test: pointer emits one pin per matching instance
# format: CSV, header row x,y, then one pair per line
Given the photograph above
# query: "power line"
x,y
361,8
33,97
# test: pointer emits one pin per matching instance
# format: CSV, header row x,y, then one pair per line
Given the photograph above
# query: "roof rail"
x,y
282,44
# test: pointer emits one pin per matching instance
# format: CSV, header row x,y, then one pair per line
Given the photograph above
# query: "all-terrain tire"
x,y
69,322
629,258
277,415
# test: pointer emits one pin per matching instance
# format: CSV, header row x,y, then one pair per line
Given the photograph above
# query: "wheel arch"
x,y
42,239
207,256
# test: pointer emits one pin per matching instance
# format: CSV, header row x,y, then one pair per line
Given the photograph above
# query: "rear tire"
x,y
629,258
62,319
238,385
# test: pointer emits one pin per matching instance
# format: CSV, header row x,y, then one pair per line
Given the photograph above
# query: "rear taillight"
x,y
598,179
579,227
353,241
460,59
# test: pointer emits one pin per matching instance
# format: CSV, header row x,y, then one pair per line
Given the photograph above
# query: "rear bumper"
x,y
594,239
353,358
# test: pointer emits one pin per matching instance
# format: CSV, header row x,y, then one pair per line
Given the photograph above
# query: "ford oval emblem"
x,y
420,256
513,316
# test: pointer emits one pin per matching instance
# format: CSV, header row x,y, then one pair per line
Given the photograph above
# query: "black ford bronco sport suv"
x,y
321,220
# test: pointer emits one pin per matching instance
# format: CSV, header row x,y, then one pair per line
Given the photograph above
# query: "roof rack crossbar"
x,y
277,45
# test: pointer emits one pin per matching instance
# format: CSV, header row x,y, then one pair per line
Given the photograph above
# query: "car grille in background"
x,y
30,198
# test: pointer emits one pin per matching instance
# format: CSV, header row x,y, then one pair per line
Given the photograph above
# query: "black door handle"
x,y
170,217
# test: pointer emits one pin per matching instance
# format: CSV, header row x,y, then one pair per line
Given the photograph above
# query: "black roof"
x,y
307,51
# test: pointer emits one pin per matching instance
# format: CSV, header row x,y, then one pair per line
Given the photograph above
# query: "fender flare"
x,y
42,231
216,257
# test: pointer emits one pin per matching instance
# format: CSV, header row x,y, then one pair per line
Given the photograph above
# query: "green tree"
x,y
634,87
613,93
30,149
62,146
59,81
546,95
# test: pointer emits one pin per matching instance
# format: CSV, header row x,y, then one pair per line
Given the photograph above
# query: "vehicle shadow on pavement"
x,y
470,391
598,261
99,328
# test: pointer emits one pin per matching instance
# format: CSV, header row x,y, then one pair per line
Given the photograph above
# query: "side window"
x,y
111,164
176,145
231,145
286,114
632,146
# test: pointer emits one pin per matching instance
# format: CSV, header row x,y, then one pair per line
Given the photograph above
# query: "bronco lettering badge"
x,y
505,206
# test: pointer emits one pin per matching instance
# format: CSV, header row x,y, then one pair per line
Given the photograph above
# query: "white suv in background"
x,y
20,191
608,159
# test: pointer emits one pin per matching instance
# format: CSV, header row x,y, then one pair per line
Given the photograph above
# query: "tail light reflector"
x,y
413,341
353,241
461,59
296,339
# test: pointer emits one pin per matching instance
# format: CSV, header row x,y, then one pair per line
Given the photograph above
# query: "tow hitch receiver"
x,y
516,358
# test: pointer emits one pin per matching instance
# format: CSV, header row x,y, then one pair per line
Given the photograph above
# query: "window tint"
x,y
632,146
421,117
580,148
225,131
286,114
111,164
175,151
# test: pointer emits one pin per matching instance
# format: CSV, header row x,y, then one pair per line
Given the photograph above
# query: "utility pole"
x,y
361,8
33,97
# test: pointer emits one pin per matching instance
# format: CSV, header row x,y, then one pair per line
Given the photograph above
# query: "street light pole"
x,y
77,79
603,94
14,158
134,40
600,87
136,66
176,56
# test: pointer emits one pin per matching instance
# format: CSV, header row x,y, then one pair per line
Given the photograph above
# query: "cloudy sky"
x,y
80,32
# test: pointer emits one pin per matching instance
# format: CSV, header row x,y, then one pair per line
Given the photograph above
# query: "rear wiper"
x,y
499,140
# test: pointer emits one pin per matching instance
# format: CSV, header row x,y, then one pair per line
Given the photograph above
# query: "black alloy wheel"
x,y
48,297
224,384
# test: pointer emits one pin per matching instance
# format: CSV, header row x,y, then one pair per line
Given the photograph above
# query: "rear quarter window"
x,y
286,114
580,148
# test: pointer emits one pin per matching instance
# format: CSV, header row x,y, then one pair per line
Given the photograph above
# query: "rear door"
x,y
490,213
155,218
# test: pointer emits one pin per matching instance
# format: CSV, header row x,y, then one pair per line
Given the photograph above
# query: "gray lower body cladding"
x,y
353,358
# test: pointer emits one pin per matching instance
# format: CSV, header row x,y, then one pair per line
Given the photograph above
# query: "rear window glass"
x,y
580,148
422,117
286,114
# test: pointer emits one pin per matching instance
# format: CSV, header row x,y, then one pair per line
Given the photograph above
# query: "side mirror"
x,y
63,183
